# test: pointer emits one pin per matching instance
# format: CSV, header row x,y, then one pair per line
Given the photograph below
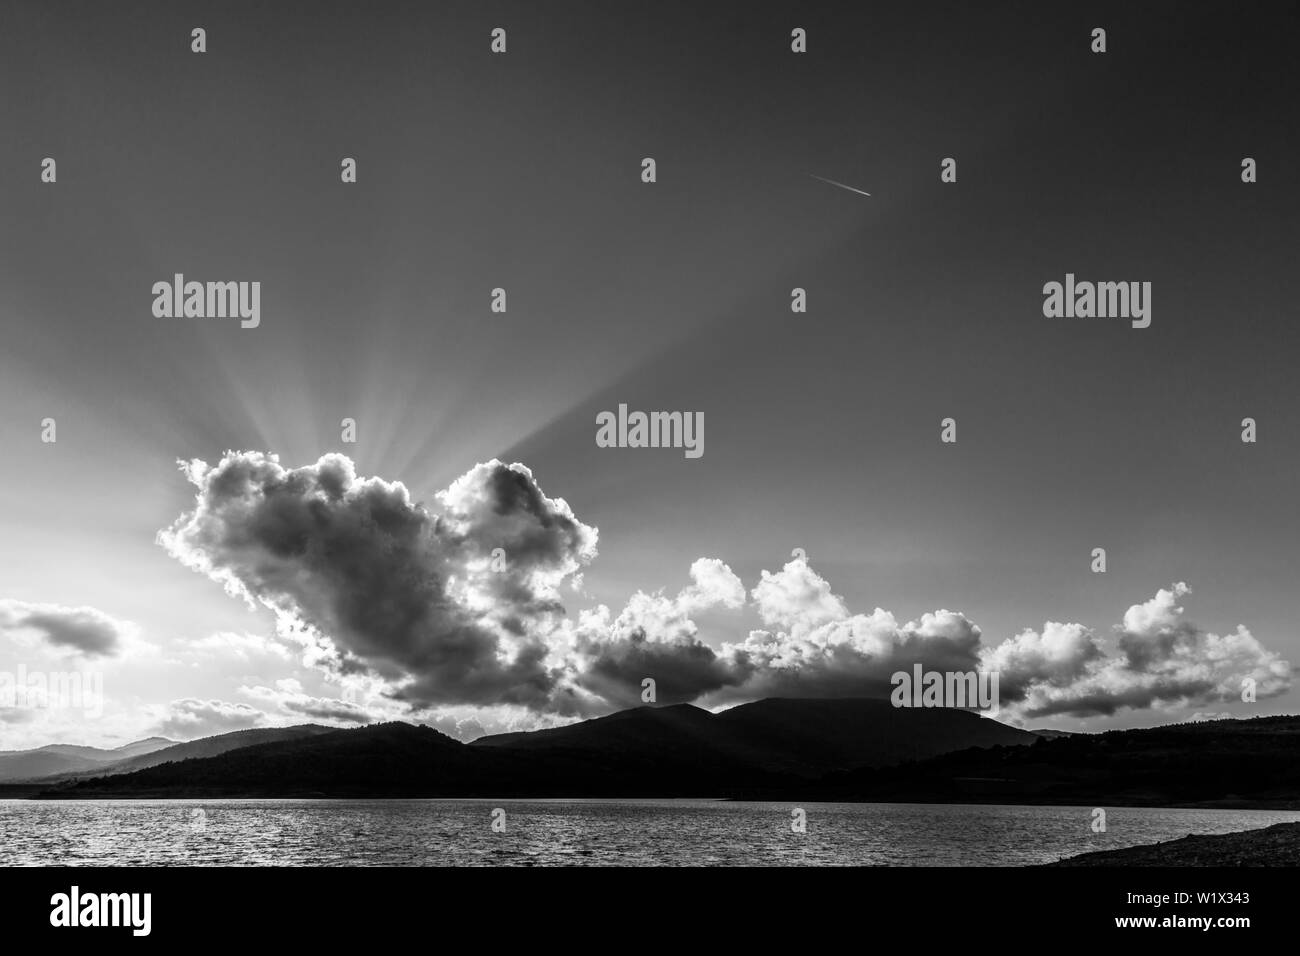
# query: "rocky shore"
x,y
1278,845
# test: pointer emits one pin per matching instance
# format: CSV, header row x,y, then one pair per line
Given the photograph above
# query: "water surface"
x,y
577,832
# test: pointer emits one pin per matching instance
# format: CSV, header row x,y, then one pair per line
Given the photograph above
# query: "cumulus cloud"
x,y
450,605
607,657
1160,660
1056,657
457,605
813,646
815,649
797,597
713,584
82,630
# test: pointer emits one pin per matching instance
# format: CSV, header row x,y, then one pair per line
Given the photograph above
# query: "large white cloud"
x,y
813,646
459,607
450,606
798,598
653,637
1160,660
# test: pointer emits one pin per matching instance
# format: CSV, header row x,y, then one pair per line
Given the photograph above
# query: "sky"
x,y
158,547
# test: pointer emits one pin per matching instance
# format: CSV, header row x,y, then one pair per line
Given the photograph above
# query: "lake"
x,y
577,832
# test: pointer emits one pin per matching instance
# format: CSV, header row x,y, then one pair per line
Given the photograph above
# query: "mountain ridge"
x,y
848,749
54,759
61,762
673,750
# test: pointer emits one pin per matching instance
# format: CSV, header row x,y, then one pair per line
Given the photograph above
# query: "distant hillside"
x,y
141,747
1224,763
203,747
768,747
24,765
391,759
221,743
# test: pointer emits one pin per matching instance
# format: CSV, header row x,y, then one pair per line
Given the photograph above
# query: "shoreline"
x,y
39,791
1275,845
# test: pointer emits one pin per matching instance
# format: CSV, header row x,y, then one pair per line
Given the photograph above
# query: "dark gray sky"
x,y
523,171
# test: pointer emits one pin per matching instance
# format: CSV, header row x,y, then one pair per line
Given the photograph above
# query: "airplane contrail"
x,y
841,185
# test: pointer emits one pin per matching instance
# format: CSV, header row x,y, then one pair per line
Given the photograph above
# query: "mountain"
x,y
20,765
812,737
1222,763
391,759
805,738
768,747
57,759
219,744
823,750
146,746
171,751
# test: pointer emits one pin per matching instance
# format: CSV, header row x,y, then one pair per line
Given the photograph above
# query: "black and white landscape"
x,y
648,434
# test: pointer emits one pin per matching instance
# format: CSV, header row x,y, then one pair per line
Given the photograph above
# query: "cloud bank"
x,y
458,604
1161,659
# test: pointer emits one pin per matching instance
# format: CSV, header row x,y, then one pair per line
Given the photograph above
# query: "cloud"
x,y
816,648
288,698
822,650
463,728
1158,615
451,606
190,718
713,584
1160,660
83,630
652,637
456,608
1056,657
797,597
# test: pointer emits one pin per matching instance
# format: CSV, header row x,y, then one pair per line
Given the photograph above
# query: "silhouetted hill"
x,y
650,727
806,738
816,736
169,751
391,759
221,743
677,738
647,751
402,760
777,749
1224,763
